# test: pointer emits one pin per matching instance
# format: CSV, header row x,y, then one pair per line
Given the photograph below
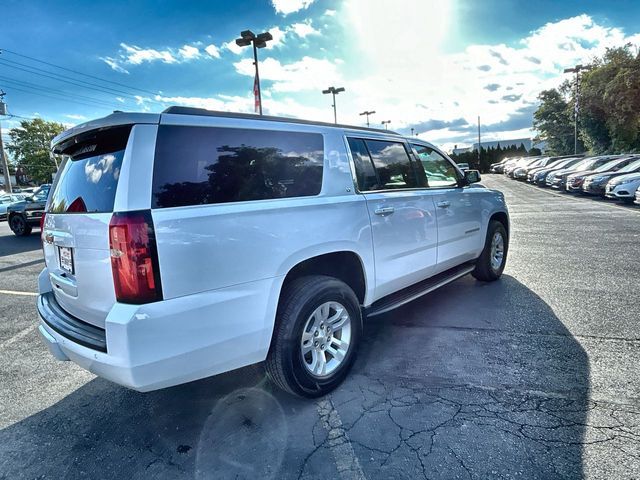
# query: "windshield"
x,y
609,165
631,167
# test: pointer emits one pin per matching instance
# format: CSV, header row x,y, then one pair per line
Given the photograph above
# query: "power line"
x,y
23,84
63,99
64,78
77,72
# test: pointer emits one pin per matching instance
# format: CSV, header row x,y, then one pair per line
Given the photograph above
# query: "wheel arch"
x,y
345,265
503,218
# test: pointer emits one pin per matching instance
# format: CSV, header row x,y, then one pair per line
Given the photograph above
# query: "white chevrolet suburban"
x,y
189,243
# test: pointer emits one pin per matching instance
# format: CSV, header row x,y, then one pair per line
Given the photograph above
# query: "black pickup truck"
x,y
23,216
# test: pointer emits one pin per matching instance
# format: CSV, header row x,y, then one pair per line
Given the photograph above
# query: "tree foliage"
x,y
553,119
30,146
489,156
608,107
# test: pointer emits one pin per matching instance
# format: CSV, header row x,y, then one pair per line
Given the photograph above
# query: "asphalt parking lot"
x,y
533,376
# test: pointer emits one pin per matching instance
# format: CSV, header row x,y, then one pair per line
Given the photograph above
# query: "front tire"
x,y
19,226
492,260
316,336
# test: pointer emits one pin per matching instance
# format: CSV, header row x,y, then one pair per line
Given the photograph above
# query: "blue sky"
x,y
433,65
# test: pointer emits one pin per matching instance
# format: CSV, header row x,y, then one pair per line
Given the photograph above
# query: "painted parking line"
x,y
338,442
18,336
17,292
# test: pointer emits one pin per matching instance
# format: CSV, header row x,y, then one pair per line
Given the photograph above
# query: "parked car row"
x,y
615,177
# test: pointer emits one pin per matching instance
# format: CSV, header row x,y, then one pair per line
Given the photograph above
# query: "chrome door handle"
x,y
443,204
384,211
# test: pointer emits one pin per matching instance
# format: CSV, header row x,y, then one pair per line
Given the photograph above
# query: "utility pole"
x,y
3,157
479,143
367,113
247,37
334,91
577,69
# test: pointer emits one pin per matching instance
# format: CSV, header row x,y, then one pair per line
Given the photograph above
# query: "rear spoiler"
x,y
67,138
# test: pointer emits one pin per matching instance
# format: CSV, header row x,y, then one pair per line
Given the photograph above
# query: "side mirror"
x,y
471,176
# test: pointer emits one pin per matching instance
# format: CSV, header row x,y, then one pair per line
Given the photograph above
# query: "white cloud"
x,y
212,50
329,13
134,55
232,47
448,86
113,63
189,52
286,7
306,74
74,116
304,29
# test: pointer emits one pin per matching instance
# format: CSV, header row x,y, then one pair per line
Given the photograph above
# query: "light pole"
x,y
412,129
577,69
367,113
334,91
247,37
386,124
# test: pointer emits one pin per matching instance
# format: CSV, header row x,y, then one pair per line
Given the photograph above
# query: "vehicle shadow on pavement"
x,y
472,381
11,244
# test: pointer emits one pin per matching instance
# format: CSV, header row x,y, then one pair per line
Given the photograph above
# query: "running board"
x,y
417,290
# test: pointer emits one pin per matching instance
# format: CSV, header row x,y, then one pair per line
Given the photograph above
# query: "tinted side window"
x,y
392,164
203,165
365,174
438,170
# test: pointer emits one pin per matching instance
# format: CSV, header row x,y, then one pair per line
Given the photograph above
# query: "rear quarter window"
x,y
208,165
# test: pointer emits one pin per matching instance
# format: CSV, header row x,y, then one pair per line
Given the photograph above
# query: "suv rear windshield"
x,y
204,165
89,173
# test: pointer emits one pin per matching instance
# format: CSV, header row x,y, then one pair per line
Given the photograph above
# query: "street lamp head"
x,y
264,37
327,91
243,42
341,89
247,35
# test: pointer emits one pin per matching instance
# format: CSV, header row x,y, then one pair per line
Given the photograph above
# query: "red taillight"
x,y
134,258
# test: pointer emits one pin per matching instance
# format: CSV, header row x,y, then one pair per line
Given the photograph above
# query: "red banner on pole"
x,y
256,95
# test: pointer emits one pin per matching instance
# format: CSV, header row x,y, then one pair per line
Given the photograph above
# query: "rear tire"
x,y
19,225
317,317
493,258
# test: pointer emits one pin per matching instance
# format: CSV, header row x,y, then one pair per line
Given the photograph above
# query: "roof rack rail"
x,y
176,110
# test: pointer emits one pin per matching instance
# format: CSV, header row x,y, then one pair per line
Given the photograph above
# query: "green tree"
x,y
554,122
30,146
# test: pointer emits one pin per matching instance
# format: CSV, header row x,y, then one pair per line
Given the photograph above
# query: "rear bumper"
x,y
174,341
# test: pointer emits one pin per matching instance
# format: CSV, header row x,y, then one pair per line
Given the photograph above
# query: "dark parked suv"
x,y
23,216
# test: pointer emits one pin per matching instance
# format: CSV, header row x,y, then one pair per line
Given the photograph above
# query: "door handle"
x,y
383,211
444,204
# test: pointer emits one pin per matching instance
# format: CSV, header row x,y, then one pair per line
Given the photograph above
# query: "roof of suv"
x,y
125,118
252,116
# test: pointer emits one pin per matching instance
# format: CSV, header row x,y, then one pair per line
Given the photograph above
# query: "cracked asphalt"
x,y
533,376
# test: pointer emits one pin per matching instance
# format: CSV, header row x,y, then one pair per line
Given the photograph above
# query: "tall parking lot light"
x,y
367,113
576,99
386,124
247,37
334,91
